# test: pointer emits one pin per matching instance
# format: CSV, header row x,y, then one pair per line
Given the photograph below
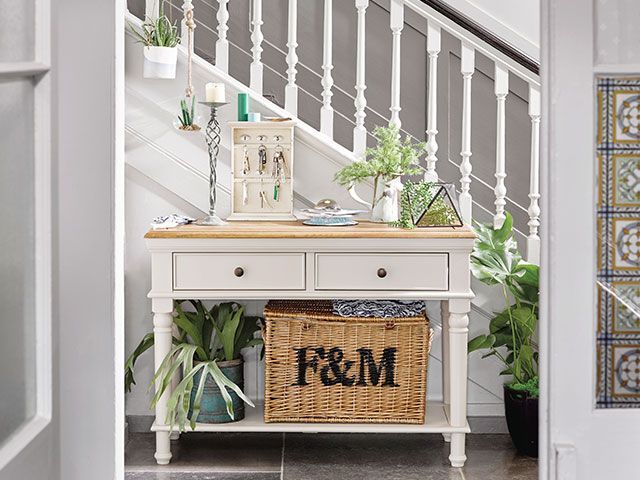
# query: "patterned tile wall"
x,y
618,383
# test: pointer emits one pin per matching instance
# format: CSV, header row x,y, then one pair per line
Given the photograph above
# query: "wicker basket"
x,y
324,368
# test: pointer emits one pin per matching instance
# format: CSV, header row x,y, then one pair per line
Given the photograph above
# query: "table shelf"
x,y
436,422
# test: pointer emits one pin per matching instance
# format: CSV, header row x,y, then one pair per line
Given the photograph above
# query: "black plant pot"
x,y
522,419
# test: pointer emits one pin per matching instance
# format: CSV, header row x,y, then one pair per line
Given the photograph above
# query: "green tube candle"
x,y
243,107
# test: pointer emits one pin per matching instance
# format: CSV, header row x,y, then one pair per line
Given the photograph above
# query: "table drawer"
x,y
238,271
382,271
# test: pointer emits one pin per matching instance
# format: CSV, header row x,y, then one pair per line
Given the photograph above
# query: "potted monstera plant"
x,y
207,352
160,40
511,338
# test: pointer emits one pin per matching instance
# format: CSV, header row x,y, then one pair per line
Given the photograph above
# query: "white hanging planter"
x,y
160,62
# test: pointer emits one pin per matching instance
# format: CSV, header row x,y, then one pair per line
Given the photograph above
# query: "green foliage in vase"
x,y
496,261
391,158
157,33
205,337
187,114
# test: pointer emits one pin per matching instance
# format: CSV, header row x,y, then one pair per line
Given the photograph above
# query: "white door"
x,y
27,434
590,415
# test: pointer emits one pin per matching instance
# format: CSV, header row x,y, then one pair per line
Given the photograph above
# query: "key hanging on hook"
x,y
262,159
246,165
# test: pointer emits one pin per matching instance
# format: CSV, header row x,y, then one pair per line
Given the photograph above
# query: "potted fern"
x,y
385,165
496,261
207,351
160,40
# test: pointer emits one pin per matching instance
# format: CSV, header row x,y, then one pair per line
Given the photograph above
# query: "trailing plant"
x,y
187,115
205,337
391,158
496,261
157,33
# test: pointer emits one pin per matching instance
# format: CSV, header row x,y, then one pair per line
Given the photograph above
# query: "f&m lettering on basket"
x,y
336,370
322,367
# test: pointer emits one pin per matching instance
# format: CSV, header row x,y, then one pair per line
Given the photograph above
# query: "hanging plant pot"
x,y
160,62
187,119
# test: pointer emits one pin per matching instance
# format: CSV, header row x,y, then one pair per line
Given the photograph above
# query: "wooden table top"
x,y
245,229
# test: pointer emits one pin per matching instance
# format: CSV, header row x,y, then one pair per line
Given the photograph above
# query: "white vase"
x,y
160,62
386,204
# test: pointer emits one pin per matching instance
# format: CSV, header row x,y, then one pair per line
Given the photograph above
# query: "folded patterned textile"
x,y
170,221
378,308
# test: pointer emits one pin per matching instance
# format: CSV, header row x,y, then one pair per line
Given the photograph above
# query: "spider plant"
x,y
157,33
205,338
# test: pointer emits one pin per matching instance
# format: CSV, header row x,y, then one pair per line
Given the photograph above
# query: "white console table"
x,y
260,260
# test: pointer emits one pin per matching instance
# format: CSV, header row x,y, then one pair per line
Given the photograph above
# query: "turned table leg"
x,y
444,318
162,330
458,337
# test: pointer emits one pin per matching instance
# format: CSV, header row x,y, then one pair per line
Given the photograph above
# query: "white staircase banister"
x,y
501,88
222,44
533,240
396,23
291,90
326,111
478,45
360,102
433,49
256,68
151,9
467,67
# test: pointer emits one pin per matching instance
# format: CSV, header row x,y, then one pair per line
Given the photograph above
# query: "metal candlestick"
x,y
213,142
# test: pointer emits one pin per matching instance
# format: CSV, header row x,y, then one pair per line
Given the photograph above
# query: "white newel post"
x,y
433,49
255,72
396,23
360,102
222,44
162,331
291,90
467,67
151,9
533,240
501,84
326,112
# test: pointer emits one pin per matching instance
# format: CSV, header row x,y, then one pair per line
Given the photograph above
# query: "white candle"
x,y
214,92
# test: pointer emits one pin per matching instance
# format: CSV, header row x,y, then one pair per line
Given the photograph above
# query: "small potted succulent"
x,y
385,164
187,119
496,261
160,40
207,352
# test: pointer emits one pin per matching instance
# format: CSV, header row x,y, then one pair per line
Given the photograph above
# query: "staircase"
x,y
173,164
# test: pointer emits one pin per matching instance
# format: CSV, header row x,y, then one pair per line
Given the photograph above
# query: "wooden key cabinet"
x,y
262,162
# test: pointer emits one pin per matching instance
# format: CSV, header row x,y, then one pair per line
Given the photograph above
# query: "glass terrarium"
x,y
441,210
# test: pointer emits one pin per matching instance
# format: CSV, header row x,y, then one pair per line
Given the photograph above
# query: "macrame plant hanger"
x,y
187,117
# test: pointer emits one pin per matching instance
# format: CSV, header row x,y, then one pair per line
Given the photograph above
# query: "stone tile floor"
x,y
250,456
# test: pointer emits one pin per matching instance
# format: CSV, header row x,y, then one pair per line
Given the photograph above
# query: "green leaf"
x,y
145,344
481,342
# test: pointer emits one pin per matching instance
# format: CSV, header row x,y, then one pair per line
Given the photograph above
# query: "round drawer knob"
x,y
238,272
382,273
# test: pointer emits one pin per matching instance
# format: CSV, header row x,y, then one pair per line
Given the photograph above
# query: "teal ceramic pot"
x,y
213,408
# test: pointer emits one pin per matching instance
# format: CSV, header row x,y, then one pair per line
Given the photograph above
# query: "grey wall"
x,y
378,79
